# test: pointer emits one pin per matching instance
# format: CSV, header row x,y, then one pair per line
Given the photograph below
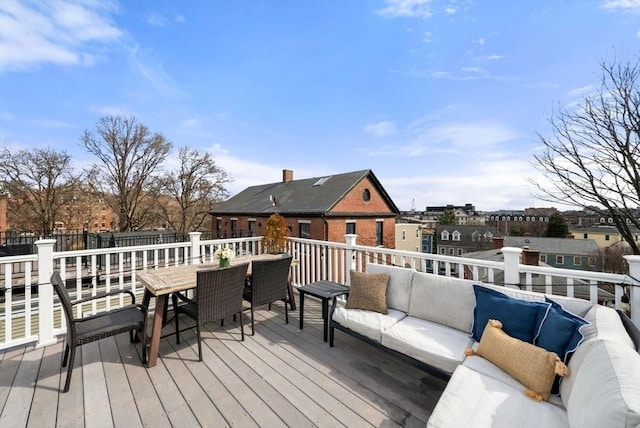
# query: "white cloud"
x,y
380,129
153,73
180,19
580,92
450,10
627,6
122,110
191,122
60,32
156,19
472,69
427,37
49,123
406,9
481,41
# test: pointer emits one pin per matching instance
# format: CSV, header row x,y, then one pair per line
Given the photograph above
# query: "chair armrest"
x,y
183,297
142,308
105,294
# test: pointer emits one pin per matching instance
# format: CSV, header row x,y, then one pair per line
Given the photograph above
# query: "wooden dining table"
x,y
160,283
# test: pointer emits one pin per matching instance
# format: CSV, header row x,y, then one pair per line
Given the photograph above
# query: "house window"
x,y
444,235
234,226
304,230
559,260
577,261
585,236
218,223
606,237
252,227
379,233
455,236
451,251
459,252
591,261
543,258
443,251
475,236
404,235
418,233
366,195
351,228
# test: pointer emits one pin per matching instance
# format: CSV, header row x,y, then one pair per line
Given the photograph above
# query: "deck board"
x,y
282,376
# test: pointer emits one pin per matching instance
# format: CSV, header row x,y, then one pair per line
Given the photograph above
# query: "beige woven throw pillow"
x,y
532,366
368,291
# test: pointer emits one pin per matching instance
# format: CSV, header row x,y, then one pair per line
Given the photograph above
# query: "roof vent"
x,y
321,181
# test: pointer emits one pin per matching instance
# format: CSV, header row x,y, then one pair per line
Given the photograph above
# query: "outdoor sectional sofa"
x,y
431,320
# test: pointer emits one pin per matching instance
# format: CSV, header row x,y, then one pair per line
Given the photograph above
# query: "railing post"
x,y
45,292
194,237
350,240
511,261
634,296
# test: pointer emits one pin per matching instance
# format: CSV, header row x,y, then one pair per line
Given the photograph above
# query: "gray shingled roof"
x,y
574,247
298,196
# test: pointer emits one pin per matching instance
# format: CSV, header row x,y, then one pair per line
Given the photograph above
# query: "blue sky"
x,y
441,99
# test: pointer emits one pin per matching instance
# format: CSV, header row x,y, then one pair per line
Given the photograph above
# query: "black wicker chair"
x,y
268,284
88,329
218,296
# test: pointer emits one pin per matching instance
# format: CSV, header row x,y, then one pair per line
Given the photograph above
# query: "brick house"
x,y
321,208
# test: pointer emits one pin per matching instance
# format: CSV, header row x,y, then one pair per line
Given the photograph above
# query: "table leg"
x,y
325,316
156,332
301,310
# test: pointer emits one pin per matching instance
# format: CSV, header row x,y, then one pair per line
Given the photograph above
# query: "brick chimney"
x,y
287,175
498,242
530,257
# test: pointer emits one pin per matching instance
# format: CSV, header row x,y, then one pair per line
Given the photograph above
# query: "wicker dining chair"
x,y
130,318
218,296
268,283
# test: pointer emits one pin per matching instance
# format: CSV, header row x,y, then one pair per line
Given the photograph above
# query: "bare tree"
x,y
40,181
593,154
193,190
130,156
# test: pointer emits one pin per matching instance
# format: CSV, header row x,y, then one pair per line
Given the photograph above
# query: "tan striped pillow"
x,y
534,367
368,291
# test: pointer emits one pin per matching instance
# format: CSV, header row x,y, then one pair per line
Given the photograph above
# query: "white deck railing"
x,y
30,312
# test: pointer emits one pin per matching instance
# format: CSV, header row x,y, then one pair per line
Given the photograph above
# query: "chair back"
x,y
65,300
219,292
269,280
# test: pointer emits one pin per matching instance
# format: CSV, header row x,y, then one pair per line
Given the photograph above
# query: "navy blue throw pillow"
x,y
560,331
520,318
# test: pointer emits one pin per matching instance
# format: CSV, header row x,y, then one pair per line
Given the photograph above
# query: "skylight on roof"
x,y
321,181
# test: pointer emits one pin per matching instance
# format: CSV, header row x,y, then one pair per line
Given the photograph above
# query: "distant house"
x,y
414,237
323,208
604,235
581,254
456,240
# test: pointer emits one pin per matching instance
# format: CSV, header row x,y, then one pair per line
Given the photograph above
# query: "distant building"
x,y
604,235
323,208
456,240
465,214
414,237
529,222
564,253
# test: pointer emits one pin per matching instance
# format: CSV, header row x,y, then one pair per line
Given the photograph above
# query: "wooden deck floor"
x,y
282,376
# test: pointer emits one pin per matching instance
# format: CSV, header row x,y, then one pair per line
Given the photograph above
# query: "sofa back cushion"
x,y
442,299
399,287
606,388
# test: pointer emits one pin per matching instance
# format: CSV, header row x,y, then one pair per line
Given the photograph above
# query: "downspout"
x,y
326,227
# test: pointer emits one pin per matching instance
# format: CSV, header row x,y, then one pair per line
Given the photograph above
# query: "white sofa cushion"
x,y
606,325
473,399
606,388
368,323
432,343
442,299
399,286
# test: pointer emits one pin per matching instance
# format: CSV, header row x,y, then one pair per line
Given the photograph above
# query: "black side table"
x,y
324,290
